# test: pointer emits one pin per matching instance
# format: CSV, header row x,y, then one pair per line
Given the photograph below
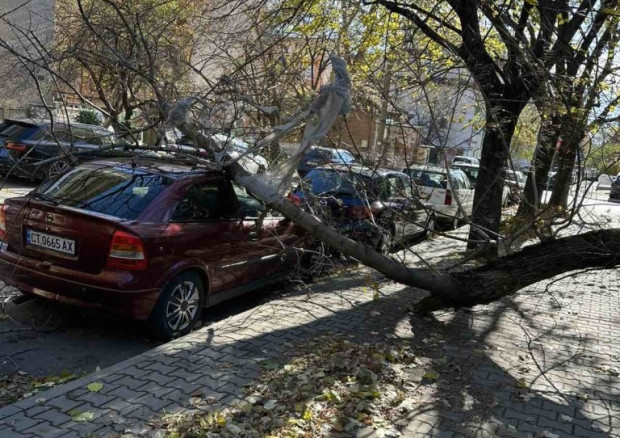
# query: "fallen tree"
x,y
502,277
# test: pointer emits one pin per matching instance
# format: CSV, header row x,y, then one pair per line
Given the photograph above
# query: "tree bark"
x,y
507,275
501,123
571,140
537,179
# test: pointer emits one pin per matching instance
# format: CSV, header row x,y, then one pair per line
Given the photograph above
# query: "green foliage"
x,y
87,116
525,136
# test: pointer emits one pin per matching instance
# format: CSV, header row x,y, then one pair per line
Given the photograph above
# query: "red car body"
x,y
227,251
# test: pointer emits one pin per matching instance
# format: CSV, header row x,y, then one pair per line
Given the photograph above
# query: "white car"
x,y
442,191
466,160
236,147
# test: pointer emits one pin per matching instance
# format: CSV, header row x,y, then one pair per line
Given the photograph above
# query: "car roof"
x,y
363,170
428,168
164,167
47,123
466,165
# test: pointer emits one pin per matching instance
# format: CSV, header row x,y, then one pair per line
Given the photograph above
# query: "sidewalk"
x,y
541,363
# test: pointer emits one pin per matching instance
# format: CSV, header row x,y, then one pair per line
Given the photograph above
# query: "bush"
x,y
89,117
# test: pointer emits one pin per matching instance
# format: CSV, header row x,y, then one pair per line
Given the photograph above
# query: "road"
x,y
43,338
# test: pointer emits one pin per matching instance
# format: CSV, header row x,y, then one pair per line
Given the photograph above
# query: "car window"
x,y
342,156
318,154
250,206
119,192
206,202
328,181
17,130
456,180
396,187
471,172
428,178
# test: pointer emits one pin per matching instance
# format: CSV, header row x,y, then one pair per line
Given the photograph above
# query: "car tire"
x,y
431,226
456,221
313,262
179,306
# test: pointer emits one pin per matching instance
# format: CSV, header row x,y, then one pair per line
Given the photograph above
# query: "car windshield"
x,y
327,181
114,191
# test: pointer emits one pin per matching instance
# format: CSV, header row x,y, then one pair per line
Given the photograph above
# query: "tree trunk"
x,y
377,153
571,140
537,179
507,275
487,208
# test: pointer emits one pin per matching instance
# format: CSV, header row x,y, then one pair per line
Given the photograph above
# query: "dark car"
x,y
316,156
379,207
147,240
614,192
24,144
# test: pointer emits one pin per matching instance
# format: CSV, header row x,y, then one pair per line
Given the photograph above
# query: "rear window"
x,y
344,156
119,192
325,181
427,178
17,130
318,154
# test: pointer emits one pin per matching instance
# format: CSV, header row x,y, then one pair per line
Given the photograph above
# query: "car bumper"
x,y
76,288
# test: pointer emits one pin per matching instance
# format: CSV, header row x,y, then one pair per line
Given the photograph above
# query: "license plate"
x,y
47,241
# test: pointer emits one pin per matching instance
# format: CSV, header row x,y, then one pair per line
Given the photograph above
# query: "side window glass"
x,y
205,202
455,182
250,206
397,188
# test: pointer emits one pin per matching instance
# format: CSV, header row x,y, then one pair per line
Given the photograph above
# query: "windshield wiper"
x,y
43,197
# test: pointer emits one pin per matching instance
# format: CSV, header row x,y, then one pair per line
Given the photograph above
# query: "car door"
x,y
272,237
208,232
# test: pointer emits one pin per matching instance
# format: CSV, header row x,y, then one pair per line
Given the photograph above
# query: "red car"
x,y
148,240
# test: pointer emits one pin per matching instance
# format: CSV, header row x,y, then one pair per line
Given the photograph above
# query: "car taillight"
x,y
126,252
294,199
448,198
19,147
3,221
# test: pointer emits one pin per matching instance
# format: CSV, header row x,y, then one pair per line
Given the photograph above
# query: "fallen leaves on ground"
x,y
326,387
20,385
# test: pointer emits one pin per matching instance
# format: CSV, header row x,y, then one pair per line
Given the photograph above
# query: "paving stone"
x,y
62,403
20,422
54,416
7,432
154,403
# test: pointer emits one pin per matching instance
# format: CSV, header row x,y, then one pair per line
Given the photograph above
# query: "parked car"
x,y
515,179
150,240
24,144
316,156
466,160
441,191
614,192
233,147
236,147
380,207
473,170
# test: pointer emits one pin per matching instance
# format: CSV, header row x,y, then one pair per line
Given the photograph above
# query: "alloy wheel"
x,y
182,306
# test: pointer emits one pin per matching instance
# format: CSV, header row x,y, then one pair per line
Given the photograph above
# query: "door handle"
x,y
253,236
